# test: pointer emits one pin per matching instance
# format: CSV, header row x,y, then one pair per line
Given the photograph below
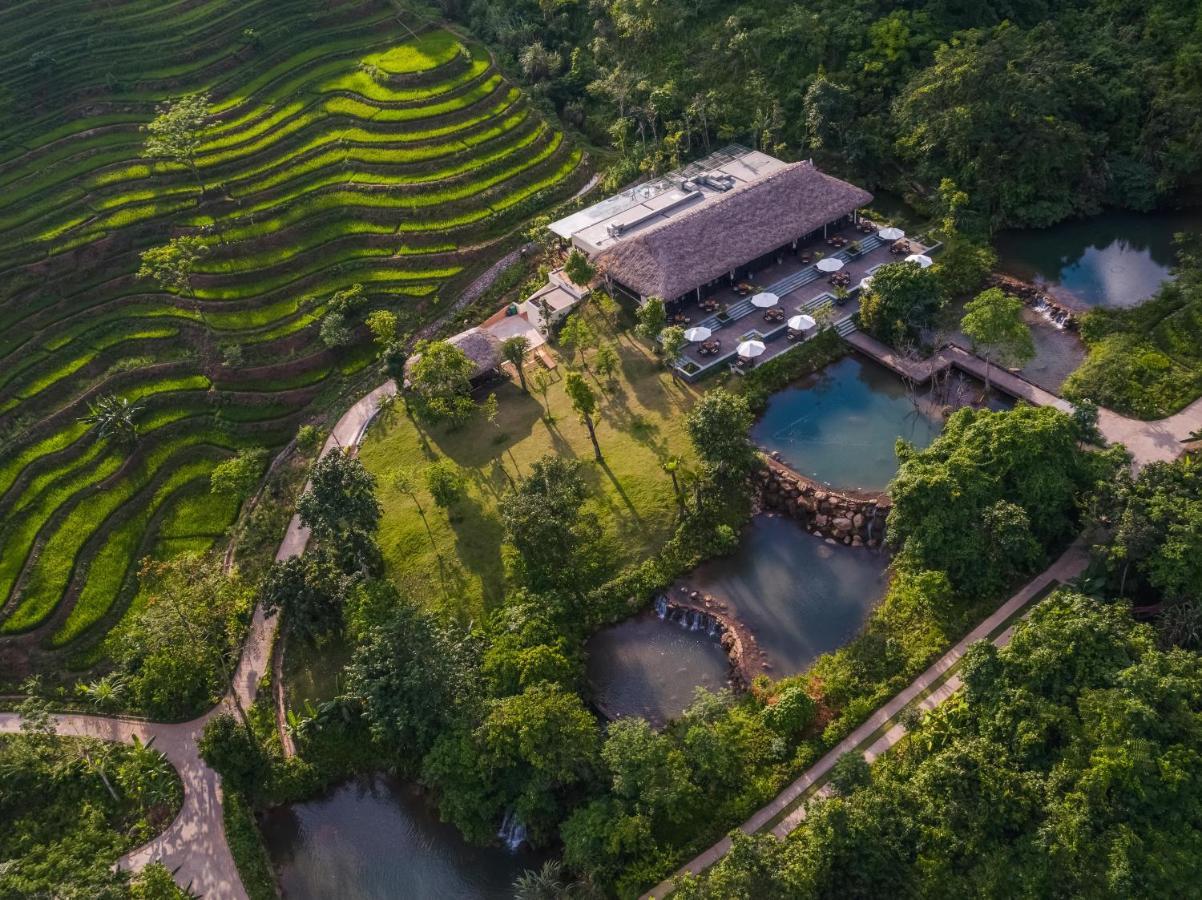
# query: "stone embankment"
x,y
837,517
700,612
1056,312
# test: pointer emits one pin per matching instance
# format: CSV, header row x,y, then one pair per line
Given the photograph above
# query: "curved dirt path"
x,y
194,847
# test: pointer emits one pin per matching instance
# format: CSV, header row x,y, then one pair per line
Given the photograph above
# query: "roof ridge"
x,y
743,188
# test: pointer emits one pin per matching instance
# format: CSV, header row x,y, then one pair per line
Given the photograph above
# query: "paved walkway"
x,y
881,731
1148,441
194,845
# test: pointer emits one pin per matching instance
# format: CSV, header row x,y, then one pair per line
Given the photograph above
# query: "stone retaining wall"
x,y
699,612
837,517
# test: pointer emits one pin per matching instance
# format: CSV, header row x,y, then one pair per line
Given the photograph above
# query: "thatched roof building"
x,y
701,244
483,348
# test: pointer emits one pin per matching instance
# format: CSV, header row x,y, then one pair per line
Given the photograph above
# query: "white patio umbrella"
x,y
802,323
830,264
697,333
765,299
923,260
891,233
751,349
865,282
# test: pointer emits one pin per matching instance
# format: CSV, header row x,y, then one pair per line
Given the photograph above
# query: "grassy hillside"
x,y
343,147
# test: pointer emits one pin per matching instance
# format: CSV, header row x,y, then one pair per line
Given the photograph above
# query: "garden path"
x,y
882,729
194,847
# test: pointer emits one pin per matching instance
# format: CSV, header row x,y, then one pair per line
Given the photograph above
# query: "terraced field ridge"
x,y
344,144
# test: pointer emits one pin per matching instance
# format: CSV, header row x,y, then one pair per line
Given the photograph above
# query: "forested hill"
x,y
1036,110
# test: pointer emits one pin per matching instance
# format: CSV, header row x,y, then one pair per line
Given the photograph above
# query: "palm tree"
x,y
113,417
551,883
514,350
671,465
106,692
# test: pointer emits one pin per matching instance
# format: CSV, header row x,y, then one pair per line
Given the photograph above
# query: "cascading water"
x,y
512,833
661,607
1058,317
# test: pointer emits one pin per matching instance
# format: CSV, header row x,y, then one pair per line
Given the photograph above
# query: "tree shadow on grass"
x,y
478,537
653,387
475,443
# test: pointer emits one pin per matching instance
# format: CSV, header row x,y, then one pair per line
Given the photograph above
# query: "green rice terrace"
x,y
343,144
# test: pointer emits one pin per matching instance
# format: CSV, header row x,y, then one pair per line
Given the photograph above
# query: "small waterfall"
x,y
661,607
512,833
1055,315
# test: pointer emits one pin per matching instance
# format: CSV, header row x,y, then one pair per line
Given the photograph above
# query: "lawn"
x,y
453,558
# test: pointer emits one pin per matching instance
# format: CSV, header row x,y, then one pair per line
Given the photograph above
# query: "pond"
x,y
650,668
839,426
1112,259
375,837
798,595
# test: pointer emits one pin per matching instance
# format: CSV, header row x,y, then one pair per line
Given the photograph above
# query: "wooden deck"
x,y
952,356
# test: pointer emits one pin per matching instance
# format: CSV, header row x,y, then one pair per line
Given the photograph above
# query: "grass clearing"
x,y
453,557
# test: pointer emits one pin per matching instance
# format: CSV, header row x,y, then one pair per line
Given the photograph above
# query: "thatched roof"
x,y
482,347
685,252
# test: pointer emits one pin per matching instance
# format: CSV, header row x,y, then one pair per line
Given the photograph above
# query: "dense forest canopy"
x,y
1067,769
1037,110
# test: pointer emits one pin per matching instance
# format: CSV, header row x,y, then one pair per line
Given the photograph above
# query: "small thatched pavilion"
x,y
483,348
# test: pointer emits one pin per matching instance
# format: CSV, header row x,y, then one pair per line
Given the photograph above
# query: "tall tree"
x,y
173,264
902,300
652,318
584,401
578,268
994,322
178,131
440,383
543,520
341,509
718,426
513,351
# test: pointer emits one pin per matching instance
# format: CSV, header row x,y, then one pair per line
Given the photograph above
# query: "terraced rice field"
x,y
347,144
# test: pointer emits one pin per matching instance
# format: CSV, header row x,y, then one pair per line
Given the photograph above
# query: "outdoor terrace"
x,y
801,287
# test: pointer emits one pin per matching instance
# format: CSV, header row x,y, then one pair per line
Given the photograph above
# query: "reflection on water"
x,y
650,668
1113,259
800,596
374,838
840,425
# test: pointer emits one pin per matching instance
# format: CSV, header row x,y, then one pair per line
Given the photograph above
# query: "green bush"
x,y
246,846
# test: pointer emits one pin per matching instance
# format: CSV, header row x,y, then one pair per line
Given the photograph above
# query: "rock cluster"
x,y
1053,310
856,522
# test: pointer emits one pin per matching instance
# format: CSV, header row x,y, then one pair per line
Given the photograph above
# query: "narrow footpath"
x,y
882,730
1147,441
194,847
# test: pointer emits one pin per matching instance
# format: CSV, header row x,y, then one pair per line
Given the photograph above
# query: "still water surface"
x,y
840,425
1112,259
650,668
374,838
